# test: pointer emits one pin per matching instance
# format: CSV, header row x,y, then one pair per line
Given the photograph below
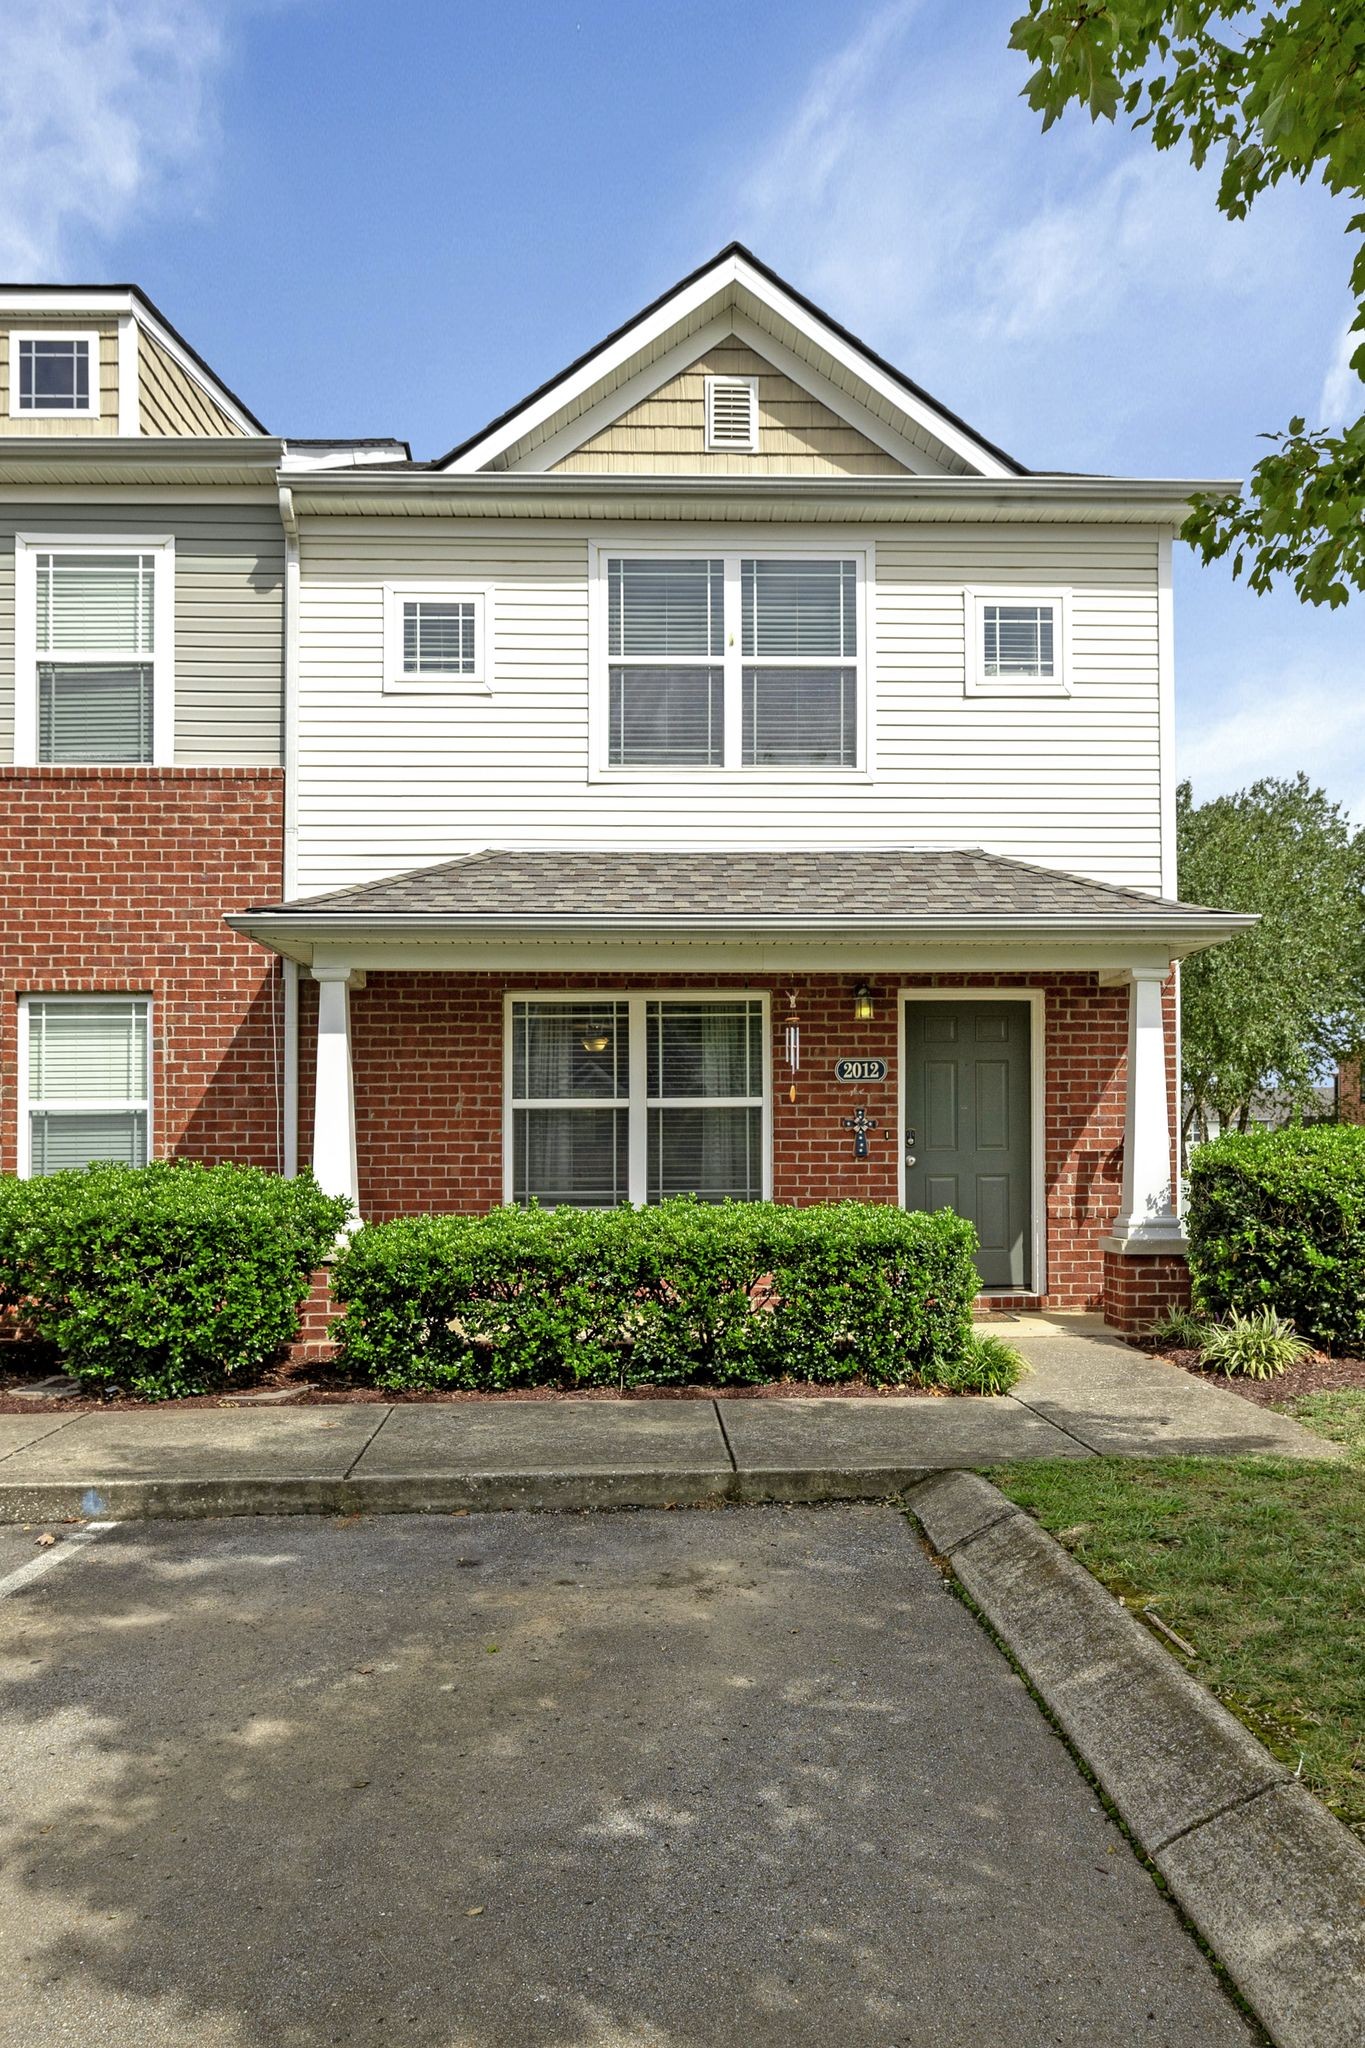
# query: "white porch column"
x,y
1147,1219
334,1163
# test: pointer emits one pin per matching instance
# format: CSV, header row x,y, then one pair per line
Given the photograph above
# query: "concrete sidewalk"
x,y
1087,1395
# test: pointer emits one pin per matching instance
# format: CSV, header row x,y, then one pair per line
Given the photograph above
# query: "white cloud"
x,y
1343,396
104,114
1275,724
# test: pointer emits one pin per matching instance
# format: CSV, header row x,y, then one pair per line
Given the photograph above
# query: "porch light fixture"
x,y
862,1003
595,1041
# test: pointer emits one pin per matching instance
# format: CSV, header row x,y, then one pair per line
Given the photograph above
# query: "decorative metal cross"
x,y
860,1123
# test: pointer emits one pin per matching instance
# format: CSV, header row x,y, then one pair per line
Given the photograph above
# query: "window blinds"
x,y
87,1082
95,631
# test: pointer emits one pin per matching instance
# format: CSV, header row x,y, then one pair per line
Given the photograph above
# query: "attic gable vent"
x,y
732,413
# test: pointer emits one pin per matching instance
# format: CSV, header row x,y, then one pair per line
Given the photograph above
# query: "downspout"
x,y
289,521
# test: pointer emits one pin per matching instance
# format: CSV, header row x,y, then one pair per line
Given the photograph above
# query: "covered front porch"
x,y
934,1029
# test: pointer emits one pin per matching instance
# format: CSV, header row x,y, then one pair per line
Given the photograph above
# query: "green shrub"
x,y
987,1366
1256,1347
1277,1219
164,1279
1180,1330
730,1293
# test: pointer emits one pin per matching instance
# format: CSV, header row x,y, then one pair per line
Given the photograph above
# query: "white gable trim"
x,y
664,368
732,277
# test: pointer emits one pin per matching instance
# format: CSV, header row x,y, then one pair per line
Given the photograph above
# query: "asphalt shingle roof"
x,y
549,885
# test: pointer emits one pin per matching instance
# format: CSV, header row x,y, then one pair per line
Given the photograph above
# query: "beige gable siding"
x,y
229,585
169,399
665,434
59,425
388,782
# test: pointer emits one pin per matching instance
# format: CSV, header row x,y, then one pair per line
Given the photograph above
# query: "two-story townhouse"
x,y
726,773
141,740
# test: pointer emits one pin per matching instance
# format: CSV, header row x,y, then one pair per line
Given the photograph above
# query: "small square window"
x,y
54,374
434,637
1016,643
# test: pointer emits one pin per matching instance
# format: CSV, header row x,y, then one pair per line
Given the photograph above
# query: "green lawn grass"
x,y
1340,1416
1259,1563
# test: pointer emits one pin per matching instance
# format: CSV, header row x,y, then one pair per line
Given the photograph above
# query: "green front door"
x,y
966,1131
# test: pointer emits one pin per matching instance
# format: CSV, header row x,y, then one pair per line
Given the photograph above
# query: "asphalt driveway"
x,y
640,1780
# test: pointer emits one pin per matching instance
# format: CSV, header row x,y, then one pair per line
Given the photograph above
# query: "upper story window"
x,y
93,655
85,1083
435,635
734,661
53,373
1017,642
732,415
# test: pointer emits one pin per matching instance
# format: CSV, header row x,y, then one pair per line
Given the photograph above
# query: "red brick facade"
x,y
119,879
428,1058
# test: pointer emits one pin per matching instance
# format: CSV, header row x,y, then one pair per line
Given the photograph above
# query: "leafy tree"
x,y
1276,1007
1272,91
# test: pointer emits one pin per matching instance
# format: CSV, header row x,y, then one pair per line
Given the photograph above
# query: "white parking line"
x,y
77,1540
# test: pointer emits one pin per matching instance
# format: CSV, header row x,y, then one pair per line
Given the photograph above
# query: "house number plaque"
x,y
860,1070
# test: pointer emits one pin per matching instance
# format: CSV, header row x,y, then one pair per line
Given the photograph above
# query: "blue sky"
x,y
396,216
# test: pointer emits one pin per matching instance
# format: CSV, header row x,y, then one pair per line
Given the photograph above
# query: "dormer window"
x,y
53,374
732,415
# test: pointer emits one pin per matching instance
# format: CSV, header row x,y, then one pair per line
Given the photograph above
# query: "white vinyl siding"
x,y
615,1099
85,1064
1071,782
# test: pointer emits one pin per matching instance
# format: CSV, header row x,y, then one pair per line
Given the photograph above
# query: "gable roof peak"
x,y
736,282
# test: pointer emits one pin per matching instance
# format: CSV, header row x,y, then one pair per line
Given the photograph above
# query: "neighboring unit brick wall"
x,y
428,1056
118,879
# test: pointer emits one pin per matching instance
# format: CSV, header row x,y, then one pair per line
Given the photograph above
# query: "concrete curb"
x,y
439,1493
1274,1884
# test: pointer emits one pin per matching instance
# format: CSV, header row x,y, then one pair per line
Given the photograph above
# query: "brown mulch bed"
x,y
311,1385
1318,1374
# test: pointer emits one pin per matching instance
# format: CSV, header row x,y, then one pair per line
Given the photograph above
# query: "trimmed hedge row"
x,y
1277,1218
163,1279
685,1291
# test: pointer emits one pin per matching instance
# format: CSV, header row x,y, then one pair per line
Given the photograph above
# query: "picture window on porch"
x,y
635,1098
734,661
86,1079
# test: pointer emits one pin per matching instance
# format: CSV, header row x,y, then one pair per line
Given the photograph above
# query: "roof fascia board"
x,y
338,925
690,299
962,442
109,299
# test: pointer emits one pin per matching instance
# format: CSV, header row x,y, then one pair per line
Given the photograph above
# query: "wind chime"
x,y
793,1043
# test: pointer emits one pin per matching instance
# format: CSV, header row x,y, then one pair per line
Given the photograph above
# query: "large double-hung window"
x,y
619,1099
734,661
92,645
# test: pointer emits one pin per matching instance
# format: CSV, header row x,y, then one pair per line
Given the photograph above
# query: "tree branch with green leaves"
x,y
1269,93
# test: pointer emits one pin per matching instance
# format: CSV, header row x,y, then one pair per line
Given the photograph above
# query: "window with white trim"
x,y
620,1099
95,649
732,415
53,373
734,661
435,636
86,1081
1016,642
